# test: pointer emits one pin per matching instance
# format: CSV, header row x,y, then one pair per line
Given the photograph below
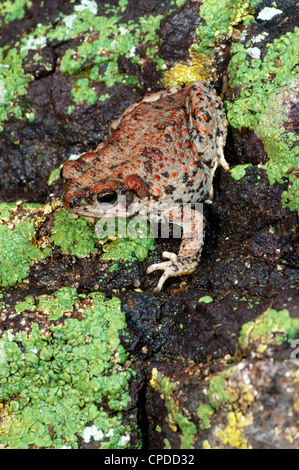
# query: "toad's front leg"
x,y
185,262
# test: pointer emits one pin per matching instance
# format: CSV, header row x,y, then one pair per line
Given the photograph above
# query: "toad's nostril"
x,y
76,201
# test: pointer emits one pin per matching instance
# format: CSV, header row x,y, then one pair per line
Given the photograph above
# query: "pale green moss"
x,y
126,249
261,86
73,235
31,206
18,247
104,97
179,3
77,236
114,40
188,430
13,84
83,92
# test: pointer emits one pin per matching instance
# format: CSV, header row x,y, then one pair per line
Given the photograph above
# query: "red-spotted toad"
x,y
161,153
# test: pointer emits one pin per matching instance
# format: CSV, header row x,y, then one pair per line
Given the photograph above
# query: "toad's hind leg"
x,y
187,259
221,134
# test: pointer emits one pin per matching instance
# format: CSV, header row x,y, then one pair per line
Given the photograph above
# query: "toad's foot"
x,y
172,268
186,261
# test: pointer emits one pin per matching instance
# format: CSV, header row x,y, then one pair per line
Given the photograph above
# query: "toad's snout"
x,y
75,198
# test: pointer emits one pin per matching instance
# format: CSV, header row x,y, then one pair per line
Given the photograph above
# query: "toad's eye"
x,y
107,197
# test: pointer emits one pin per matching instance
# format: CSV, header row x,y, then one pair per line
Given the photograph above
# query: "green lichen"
x,y
63,300
17,251
127,250
53,384
13,84
27,304
53,176
134,239
272,327
239,171
207,299
83,92
73,235
263,85
204,412
5,209
104,97
219,17
31,206
188,429
113,268
77,236
225,398
218,393
13,10
116,39
106,38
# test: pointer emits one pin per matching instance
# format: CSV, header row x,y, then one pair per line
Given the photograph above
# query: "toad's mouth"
x,y
107,203
85,201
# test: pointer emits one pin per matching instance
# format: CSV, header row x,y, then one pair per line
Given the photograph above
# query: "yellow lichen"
x,y
248,395
296,404
206,445
182,74
261,348
155,378
233,434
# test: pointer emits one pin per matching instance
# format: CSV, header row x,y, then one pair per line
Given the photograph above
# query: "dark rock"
x,y
178,32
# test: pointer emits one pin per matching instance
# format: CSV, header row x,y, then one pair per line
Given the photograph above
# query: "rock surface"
x,y
215,351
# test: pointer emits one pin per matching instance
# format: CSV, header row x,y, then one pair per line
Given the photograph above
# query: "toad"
x,y
160,156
